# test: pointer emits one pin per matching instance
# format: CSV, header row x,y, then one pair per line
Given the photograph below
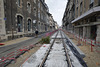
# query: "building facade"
x,y
2,21
85,18
42,16
20,18
51,22
69,15
56,25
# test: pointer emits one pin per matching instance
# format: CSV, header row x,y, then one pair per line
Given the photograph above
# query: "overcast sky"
x,y
57,8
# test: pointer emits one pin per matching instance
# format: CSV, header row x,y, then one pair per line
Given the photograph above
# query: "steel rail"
x,y
41,65
75,52
66,51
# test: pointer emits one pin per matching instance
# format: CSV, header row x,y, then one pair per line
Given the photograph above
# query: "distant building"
x,y
83,18
51,22
42,16
20,18
56,25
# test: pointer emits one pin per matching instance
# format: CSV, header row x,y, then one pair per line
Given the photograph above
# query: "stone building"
x,y
85,18
42,16
19,15
20,18
2,21
69,15
51,22
56,25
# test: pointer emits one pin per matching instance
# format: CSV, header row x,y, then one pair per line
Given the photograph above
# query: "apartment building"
x,y
84,17
19,18
2,21
52,22
42,16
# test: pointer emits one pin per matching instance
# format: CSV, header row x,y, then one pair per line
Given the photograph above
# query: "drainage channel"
x,y
57,56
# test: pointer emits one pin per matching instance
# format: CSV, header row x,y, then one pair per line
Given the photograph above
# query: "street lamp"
x,y
34,22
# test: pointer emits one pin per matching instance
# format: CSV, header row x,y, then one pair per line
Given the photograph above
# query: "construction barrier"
x,y
50,33
7,59
1,44
95,46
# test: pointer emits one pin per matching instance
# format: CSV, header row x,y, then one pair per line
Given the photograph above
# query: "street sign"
x,y
5,18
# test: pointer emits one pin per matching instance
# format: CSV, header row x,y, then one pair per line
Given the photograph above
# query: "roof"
x,y
91,11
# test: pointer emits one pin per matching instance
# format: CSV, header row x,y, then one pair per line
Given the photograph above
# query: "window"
x,y
99,2
84,5
29,7
19,2
0,11
77,12
91,1
29,25
39,5
77,1
34,1
34,11
19,23
39,14
81,8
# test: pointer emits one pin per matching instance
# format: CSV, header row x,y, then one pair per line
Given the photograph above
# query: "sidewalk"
x,y
92,58
15,41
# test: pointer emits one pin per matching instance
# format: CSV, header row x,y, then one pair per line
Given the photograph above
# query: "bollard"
x,y
95,40
79,41
91,46
85,41
1,44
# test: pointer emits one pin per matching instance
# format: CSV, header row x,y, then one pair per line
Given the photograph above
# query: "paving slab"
x,y
36,58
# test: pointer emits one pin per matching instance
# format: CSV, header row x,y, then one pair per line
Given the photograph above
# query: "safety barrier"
x,y
7,59
50,33
95,46
1,44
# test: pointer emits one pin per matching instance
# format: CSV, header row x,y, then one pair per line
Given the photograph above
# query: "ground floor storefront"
x,y
89,31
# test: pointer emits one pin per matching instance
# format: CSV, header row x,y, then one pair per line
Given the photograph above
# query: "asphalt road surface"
x,y
10,48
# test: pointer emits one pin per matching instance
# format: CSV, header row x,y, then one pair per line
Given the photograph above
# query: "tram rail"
x,y
68,60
